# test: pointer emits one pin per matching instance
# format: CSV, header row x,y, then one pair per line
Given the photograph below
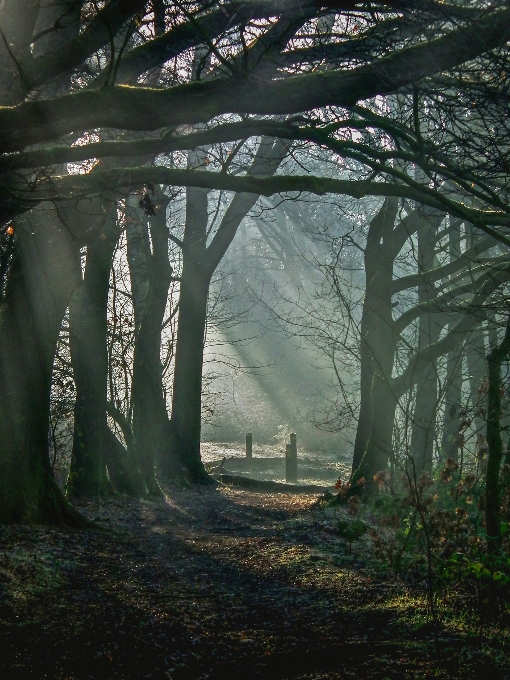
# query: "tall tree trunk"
x,y
199,264
377,347
494,443
475,349
139,257
366,378
95,447
87,340
452,403
424,416
477,370
41,281
187,387
18,19
123,463
189,350
453,394
151,424
379,336
380,442
43,276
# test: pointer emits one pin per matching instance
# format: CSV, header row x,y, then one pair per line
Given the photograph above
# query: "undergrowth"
x,y
429,531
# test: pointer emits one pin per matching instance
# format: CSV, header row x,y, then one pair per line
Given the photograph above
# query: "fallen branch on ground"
x,y
257,485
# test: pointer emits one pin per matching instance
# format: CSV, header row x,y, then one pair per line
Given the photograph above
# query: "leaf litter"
x,y
210,583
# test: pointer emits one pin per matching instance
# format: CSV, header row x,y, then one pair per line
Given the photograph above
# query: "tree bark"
x,y
453,394
377,346
424,416
477,370
494,443
189,350
151,274
43,276
187,387
380,443
199,264
452,404
89,356
18,19
95,447
475,349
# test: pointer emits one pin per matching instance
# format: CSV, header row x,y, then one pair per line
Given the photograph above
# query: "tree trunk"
x,y
377,345
475,350
42,279
477,370
18,19
452,404
183,460
187,386
380,443
424,416
494,443
89,356
150,418
187,389
453,395
124,462
139,257
199,264
366,377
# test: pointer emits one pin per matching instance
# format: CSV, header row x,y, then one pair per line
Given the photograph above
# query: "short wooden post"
x,y
291,460
293,443
249,445
293,448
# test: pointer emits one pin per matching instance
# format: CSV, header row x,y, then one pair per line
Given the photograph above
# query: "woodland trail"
x,y
209,583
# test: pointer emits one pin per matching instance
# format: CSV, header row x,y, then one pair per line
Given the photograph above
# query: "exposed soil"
x,y
212,583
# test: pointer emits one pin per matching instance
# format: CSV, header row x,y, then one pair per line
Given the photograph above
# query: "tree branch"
x,y
149,109
150,146
108,21
119,181
472,316
466,258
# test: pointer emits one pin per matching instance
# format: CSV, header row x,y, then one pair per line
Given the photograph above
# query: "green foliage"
x,y
433,527
489,577
351,530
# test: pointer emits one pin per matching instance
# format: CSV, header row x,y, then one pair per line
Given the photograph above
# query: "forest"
x,y
254,339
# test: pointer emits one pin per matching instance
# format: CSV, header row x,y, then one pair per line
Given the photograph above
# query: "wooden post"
x,y
249,445
288,464
293,449
293,443
291,460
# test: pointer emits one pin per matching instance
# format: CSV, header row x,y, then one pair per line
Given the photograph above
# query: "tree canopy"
x,y
90,92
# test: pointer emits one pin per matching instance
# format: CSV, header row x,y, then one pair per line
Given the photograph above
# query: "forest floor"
x,y
220,582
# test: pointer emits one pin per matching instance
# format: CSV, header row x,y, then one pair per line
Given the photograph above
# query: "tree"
x,y
95,446
151,274
495,358
72,83
41,279
199,264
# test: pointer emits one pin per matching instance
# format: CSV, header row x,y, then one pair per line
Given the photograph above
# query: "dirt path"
x,y
208,583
